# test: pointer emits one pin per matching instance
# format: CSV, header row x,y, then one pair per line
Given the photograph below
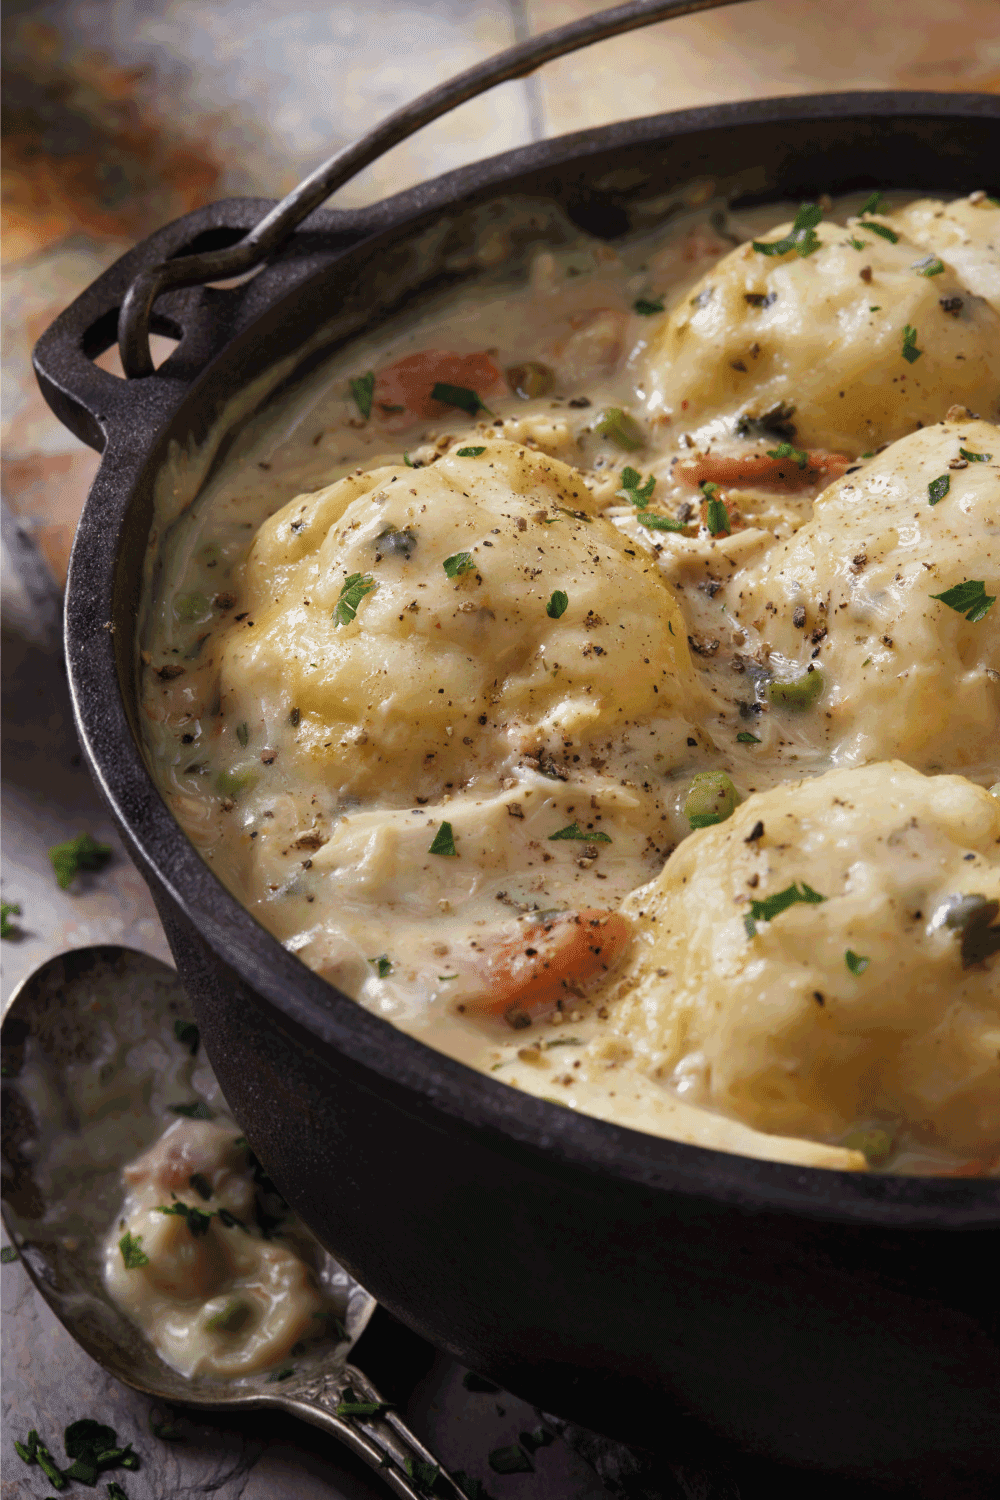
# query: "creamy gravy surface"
x,y
512,711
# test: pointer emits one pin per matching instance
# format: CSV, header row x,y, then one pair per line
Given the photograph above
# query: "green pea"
x,y
233,1317
712,798
874,1143
532,379
191,607
621,429
799,692
236,780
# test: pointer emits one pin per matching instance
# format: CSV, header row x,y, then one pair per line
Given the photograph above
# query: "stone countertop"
x,y
118,117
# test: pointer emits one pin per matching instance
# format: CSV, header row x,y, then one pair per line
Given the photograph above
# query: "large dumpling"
x,y
826,958
411,631
856,344
966,233
852,597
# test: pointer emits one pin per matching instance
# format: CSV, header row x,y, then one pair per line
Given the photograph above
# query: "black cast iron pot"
x,y
652,1290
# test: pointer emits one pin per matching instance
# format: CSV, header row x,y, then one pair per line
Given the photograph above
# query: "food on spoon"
x,y
189,1262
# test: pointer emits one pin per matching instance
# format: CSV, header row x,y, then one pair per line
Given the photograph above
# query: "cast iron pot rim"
x,y
552,1135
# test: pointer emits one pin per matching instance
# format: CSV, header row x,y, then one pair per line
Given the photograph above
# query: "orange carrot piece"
x,y
757,468
408,383
545,962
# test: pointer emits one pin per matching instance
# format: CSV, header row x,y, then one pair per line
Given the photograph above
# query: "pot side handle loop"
x,y
268,236
381,1440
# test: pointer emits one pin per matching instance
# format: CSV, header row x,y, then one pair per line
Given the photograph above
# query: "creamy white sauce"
x,y
291,749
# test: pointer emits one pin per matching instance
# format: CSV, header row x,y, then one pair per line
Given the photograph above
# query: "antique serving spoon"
x,y
91,1064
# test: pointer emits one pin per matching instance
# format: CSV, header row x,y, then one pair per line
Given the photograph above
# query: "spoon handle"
x,y
382,1440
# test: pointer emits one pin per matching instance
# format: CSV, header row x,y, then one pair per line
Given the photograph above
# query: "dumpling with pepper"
x,y
826,962
880,616
412,631
842,339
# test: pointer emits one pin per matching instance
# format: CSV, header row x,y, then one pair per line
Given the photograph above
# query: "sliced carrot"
x,y
408,383
756,467
545,962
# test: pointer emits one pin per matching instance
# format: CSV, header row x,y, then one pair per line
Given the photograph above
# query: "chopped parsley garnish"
x,y
422,1473
8,1255
457,564
188,1035
857,244
620,428
969,599
81,853
938,488
354,590
444,842
557,605
856,962
930,265
878,308
646,307
883,230
460,396
633,488
362,389
362,1408
975,458
910,351
133,1254
717,518
470,452
746,738
285,1374
785,450
197,1220
383,965
658,523
8,909
873,205
576,515
165,1431
773,906
197,1110
574,831
243,735
802,237
510,1460
708,488
712,798
408,461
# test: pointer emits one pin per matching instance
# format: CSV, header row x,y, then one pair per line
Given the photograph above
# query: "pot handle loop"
x,y
379,1438
270,234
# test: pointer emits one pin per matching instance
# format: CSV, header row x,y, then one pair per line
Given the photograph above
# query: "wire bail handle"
x,y
274,229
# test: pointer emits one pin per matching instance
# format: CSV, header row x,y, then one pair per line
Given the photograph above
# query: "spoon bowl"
x,y
91,1065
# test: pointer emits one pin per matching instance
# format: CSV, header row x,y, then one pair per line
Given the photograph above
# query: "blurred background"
x,y
119,115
